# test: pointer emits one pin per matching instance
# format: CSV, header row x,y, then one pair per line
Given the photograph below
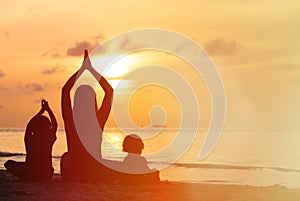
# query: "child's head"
x,y
40,124
133,144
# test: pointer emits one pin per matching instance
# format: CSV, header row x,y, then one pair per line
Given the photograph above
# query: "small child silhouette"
x,y
39,138
134,163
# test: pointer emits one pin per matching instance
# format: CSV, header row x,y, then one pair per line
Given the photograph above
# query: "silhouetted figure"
x,y
77,164
134,163
134,166
40,136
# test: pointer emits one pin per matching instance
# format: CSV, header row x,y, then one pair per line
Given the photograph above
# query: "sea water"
x,y
241,157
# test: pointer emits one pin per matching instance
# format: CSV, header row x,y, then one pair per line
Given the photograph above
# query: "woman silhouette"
x,y
84,125
78,163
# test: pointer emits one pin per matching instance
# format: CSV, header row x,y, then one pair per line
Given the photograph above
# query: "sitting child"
x,y
40,136
134,163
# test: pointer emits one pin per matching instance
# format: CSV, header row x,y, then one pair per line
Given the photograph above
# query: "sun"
x,y
116,66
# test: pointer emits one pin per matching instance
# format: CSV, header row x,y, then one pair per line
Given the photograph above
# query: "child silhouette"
x,y
134,163
40,136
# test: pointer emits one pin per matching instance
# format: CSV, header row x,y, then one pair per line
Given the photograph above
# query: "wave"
x,y
8,154
17,130
232,167
189,165
4,130
56,156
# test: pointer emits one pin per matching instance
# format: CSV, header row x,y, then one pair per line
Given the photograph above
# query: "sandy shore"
x,y
12,189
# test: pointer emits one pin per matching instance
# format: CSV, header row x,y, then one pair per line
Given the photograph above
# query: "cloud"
x,y
2,88
288,66
7,34
99,36
37,100
77,49
31,87
55,55
1,73
295,81
1,107
221,46
128,44
51,54
54,70
282,66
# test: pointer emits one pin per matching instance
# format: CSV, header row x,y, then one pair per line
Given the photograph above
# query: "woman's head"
x,y
133,144
84,96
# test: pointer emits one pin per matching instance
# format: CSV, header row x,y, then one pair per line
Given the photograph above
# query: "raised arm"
x,y
46,107
104,110
42,110
28,132
67,112
66,100
65,96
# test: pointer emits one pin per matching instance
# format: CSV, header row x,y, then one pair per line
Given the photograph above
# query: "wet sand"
x,y
13,189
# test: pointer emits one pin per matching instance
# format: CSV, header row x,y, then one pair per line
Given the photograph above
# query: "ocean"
x,y
242,156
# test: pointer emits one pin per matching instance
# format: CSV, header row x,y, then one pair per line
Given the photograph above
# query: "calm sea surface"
x,y
242,157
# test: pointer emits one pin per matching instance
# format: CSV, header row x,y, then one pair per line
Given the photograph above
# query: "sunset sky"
x,y
254,44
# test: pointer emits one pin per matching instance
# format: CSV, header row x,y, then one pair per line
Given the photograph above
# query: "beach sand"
x,y
13,189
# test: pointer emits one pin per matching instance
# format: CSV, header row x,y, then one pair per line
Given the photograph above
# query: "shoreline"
x,y
13,189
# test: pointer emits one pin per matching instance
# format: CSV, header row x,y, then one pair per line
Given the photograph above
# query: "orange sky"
x,y
254,44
